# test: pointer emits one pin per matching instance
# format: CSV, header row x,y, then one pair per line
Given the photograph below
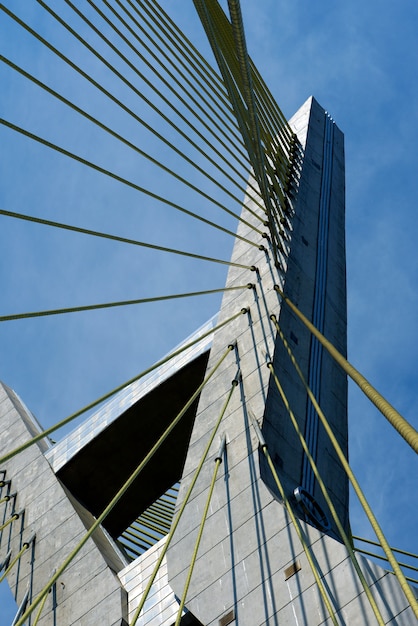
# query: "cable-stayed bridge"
x,y
205,132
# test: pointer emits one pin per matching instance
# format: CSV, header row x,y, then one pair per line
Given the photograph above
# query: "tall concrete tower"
x,y
248,537
269,550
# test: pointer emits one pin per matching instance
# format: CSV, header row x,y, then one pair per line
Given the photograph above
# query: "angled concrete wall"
x,y
89,592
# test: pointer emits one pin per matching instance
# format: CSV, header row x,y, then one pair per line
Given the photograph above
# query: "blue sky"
x,y
360,62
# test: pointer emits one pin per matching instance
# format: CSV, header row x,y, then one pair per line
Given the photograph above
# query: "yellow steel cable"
x,y
404,428
206,108
11,519
375,543
231,42
296,524
127,541
38,615
14,561
262,97
164,507
218,461
76,68
135,148
154,518
157,109
195,63
229,78
120,179
281,128
362,499
219,31
383,558
157,523
414,581
238,65
167,83
273,147
194,57
177,61
134,242
325,492
159,511
121,491
186,498
5,499
95,307
230,72
117,51
152,536
236,47
278,129
242,55
277,188
151,85
269,134
143,547
277,166
222,98
108,395
222,56
222,33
